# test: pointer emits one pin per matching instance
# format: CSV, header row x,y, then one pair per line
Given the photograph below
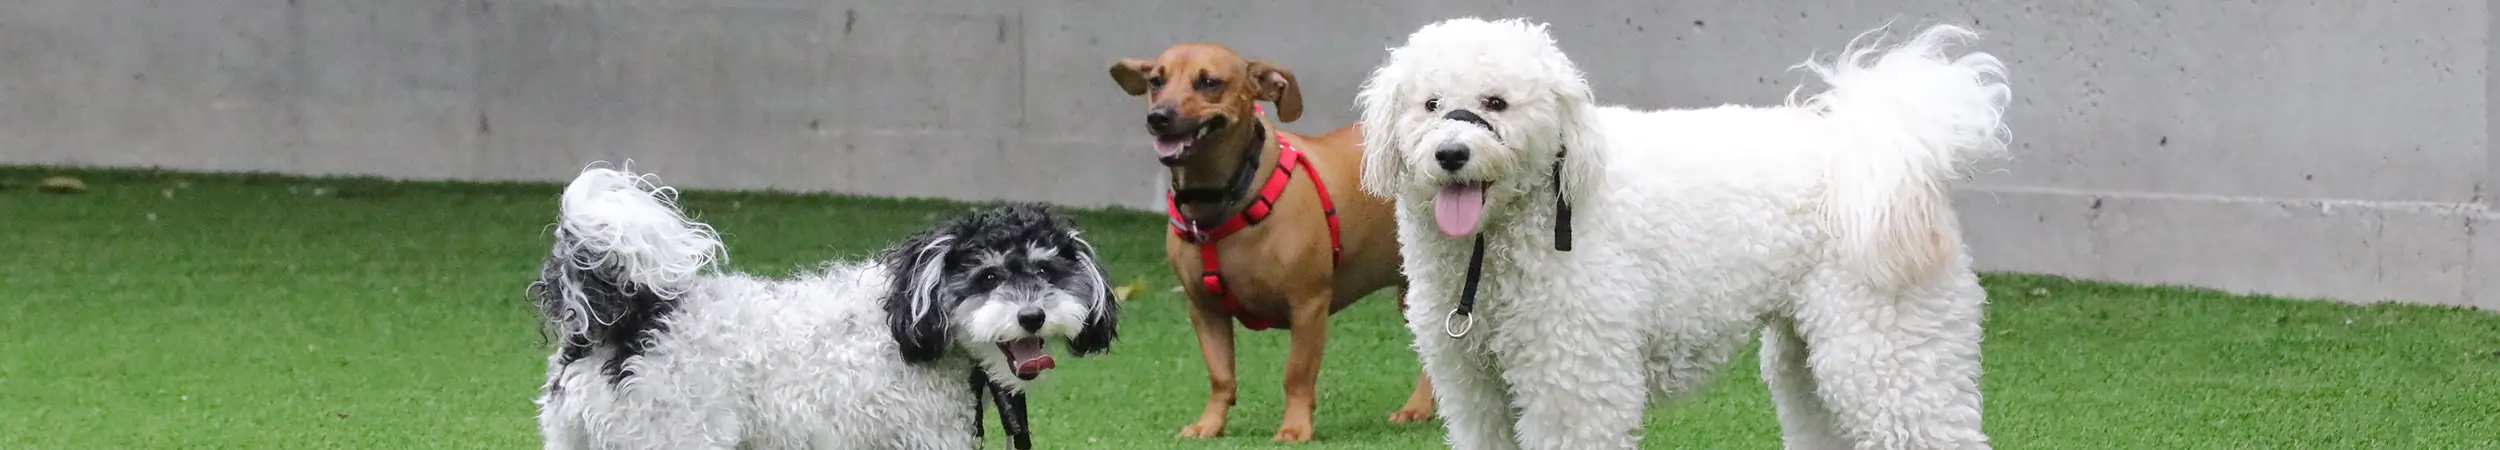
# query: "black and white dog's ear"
x,y
915,307
1103,325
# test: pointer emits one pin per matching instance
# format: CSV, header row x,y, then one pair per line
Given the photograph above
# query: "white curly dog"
x,y
1626,253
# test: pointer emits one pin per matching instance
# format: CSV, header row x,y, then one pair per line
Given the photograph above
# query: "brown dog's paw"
x,y
1294,433
1202,430
1411,415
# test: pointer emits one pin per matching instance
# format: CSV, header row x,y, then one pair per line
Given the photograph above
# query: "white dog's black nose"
x,y
1453,155
1030,318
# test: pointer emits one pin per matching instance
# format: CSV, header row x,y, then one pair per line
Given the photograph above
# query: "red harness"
x,y
1286,159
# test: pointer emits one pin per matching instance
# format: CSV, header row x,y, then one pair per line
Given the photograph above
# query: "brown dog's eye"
x,y
1157,81
1207,83
1496,104
1432,104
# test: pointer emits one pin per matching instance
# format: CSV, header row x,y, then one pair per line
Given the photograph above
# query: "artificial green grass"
x,y
170,310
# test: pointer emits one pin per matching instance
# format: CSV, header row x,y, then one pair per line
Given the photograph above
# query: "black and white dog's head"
x,y
996,285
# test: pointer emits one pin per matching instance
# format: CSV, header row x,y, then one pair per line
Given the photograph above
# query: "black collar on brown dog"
x,y
1235,191
1475,259
1011,418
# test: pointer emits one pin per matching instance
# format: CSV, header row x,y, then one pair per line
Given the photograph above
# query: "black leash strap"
x,y
1562,208
1011,417
1475,260
1467,296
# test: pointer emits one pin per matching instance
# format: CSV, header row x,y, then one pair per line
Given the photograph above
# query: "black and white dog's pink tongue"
x,y
1459,209
1029,358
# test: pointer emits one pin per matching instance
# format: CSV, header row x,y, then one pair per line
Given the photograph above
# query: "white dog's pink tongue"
x,y
1459,208
1028,357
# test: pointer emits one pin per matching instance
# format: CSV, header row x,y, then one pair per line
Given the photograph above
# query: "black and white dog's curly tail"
x,y
623,254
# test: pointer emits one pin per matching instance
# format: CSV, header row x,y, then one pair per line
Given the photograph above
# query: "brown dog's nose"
x,y
1159,120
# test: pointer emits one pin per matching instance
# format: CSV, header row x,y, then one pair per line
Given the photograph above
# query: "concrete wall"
x,y
2328,149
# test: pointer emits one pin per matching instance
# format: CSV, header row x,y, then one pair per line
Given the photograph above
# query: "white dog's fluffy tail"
x,y
623,254
1908,118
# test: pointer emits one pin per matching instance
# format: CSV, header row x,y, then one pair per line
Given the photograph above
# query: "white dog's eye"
x,y
1432,104
1496,103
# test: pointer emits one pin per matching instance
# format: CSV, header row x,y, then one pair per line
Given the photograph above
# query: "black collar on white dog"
x,y
1011,416
1475,259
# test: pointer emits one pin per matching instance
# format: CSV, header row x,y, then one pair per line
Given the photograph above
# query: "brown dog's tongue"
x,y
1029,358
1167,148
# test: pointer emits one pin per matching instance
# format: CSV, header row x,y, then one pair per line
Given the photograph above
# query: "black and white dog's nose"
x,y
1452,155
1030,318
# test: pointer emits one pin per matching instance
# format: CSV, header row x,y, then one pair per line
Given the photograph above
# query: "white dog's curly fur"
x,y
1823,223
658,350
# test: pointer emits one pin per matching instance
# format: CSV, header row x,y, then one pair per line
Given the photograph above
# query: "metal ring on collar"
x,y
1463,329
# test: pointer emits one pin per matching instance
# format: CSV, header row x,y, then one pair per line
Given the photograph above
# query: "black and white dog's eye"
x,y
989,278
1432,105
1496,103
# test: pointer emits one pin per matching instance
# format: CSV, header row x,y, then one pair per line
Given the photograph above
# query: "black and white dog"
x,y
657,349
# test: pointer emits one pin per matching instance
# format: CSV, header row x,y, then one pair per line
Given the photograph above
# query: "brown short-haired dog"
x,y
1268,227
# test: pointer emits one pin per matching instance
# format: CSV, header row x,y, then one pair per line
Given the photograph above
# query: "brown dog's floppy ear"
x,y
1277,85
1131,74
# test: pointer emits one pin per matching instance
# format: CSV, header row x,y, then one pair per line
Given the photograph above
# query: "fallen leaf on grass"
x,y
1127,291
64,185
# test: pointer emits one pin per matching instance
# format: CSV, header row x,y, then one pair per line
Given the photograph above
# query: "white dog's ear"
x,y
1382,139
1583,151
915,309
1277,85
